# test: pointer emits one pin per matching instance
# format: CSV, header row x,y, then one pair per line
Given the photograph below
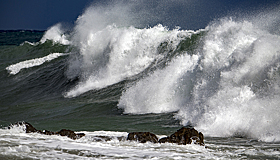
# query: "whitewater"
x,y
223,80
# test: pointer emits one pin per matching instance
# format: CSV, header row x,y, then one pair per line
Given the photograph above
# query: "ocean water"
x,y
107,77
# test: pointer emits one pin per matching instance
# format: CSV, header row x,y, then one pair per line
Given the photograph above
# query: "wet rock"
x,y
64,132
142,137
29,128
70,134
184,136
46,132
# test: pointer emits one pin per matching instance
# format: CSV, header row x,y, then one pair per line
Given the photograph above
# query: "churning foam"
x,y
157,92
229,87
234,89
15,68
19,145
243,60
113,54
112,48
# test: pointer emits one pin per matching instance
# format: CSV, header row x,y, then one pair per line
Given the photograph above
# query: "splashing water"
x,y
227,86
114,54
233,89
56,34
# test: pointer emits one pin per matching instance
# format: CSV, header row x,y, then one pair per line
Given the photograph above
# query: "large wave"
x,y
113,54
113,48
232,89
224,79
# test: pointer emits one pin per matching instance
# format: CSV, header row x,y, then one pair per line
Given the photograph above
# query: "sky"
x,y
191,14
39,14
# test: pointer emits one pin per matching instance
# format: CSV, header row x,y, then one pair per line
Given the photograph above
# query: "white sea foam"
x,y
234,91
161,88
246,100
34,145
15,68
229,87
16,143
112,48
113,54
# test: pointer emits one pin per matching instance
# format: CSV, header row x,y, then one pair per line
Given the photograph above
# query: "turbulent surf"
x,y
110,75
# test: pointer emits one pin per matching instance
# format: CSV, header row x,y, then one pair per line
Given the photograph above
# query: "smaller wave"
x,y
55,33
15,68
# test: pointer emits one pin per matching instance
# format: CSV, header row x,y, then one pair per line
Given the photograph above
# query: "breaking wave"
x,y
229,88
223,79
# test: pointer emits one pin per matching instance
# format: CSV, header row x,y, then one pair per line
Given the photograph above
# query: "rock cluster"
x,y
64,132
182,136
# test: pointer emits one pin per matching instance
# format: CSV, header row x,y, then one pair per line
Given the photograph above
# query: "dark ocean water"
x,y
109,79
36,94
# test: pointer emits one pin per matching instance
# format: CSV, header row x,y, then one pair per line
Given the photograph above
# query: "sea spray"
x,y
232,91
56,34
226,85
223,80
97,34
242,103
114,54
157,93
114,43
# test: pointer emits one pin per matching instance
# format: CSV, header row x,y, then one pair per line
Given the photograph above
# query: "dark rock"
x,y
46,132
142,137
184,136
29,128
80,135
70,134
64,132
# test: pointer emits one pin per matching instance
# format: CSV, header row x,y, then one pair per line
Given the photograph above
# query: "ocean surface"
x,y
106,78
